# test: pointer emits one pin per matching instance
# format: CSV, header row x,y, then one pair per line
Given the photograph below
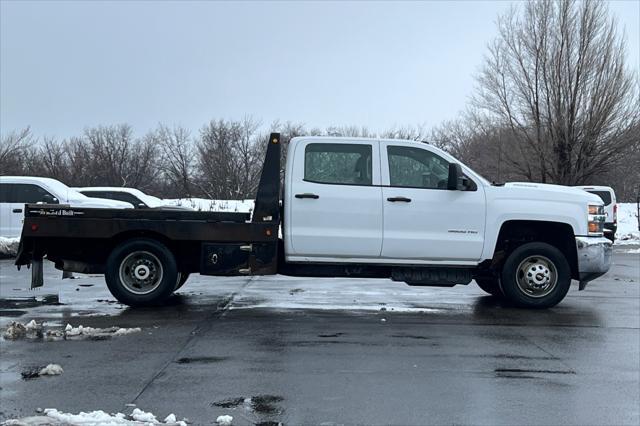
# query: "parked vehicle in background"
x,y
137,198
608,196
352,208
16,191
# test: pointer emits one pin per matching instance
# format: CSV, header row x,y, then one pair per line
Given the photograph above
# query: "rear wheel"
x,y
536,275
490,285
141,272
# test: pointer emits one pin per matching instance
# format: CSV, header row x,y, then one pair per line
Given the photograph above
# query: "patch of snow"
x,y
143,416
81,331
224,420
632,251
51,370
16,331
9,246
94,418
206,205
627,232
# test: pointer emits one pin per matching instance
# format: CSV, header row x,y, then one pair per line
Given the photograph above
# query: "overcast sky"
x,y
68,65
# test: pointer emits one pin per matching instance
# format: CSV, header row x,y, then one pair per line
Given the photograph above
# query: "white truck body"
x,y
352,208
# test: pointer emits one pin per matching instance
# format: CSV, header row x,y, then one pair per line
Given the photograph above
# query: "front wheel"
x,y
141,272
536,275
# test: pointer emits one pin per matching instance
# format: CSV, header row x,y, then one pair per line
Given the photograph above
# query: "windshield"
x,y
149,200
59,189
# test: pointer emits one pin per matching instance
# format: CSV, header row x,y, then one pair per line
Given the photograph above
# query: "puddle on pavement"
x,y
11,313
229,403
259,404
29,373
331,335
411,336
201,360
30,302
526,373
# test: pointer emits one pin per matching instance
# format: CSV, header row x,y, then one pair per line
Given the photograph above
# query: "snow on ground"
x,y
224,420
9,246
203,204
53,417
33,330
51,370
627,224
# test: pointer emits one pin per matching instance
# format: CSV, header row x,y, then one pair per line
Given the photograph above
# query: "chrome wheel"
x,y
141,272
536,276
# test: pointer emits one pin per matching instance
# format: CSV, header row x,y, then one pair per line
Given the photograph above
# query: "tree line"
x,y
554,102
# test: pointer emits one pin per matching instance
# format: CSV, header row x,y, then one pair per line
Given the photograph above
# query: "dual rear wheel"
x,y
534,275
142,272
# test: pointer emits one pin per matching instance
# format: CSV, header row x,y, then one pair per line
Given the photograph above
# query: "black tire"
x,y
182,278
131,256
529,257
490,285
611,236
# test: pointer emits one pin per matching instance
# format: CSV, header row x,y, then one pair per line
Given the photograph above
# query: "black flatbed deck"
x,y
80,239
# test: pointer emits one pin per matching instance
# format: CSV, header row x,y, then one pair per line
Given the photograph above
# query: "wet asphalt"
x,y
338,352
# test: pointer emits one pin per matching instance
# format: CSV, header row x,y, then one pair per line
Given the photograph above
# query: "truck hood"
x,y
99,203
548,192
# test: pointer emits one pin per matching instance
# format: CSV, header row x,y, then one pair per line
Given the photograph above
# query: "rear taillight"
x,y
615,213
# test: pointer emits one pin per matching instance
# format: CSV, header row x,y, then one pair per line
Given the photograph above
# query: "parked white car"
x,y
139,199
16,191
610,208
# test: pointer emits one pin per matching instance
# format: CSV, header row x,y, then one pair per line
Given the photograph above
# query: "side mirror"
x,y
457,180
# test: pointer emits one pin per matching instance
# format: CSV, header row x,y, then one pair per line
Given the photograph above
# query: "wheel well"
x,y
514,233
129,235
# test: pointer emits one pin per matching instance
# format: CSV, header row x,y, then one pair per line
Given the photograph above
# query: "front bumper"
x,y
594,258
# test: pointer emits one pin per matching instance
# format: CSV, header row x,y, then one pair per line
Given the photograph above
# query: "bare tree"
x,y
556,78
178,157
13,148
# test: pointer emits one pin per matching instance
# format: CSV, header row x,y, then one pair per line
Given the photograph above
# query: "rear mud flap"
x,y
37,278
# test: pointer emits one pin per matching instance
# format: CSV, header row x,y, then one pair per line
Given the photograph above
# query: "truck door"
x,y
422,219
8,223
334,201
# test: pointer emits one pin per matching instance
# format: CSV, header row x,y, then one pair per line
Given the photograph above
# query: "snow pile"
x,y
9,246
224,420
205,205
51,370
17,331
627,232
94,418
33,330
81,331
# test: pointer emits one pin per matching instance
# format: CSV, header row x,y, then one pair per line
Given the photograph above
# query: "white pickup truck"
x,y
352,207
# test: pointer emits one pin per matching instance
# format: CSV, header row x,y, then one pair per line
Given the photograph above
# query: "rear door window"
x,y
605,195
338,163
6,193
